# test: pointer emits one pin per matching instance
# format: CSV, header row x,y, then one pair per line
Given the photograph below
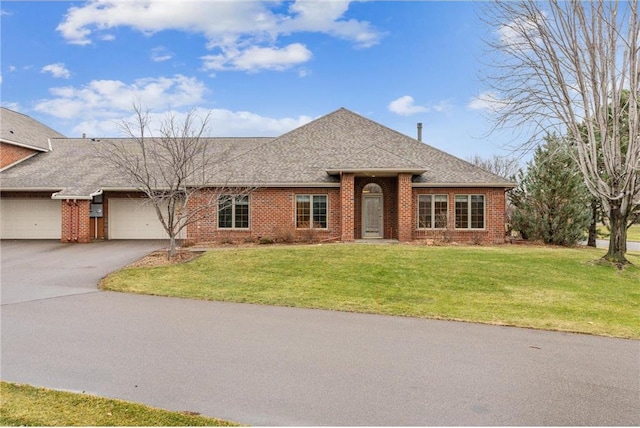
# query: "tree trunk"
x,y
593,230
618,238
172,247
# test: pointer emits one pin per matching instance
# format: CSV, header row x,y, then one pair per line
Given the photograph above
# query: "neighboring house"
x,y
339,177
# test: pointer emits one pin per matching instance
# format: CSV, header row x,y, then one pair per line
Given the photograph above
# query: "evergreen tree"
x,y
551,200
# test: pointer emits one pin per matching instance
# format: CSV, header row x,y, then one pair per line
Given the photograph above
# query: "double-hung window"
x,y
233,212
311,211
469,211
432,211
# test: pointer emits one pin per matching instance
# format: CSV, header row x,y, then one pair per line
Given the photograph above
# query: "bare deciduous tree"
x,y
505,167
172,168
566,67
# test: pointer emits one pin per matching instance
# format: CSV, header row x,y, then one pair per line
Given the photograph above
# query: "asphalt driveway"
x,y
33,270
265,365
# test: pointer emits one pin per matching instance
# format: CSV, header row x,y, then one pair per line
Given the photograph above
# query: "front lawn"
x,y
24,405
539,287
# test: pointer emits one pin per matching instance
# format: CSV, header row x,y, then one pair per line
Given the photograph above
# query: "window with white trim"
x,y
469,211
233,212
311,211
432,211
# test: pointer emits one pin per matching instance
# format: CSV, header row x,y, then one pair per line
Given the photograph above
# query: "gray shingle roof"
x,y
344,140
22,130
310,155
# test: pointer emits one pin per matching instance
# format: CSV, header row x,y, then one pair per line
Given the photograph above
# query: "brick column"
x,y
76,223
347,209
405,206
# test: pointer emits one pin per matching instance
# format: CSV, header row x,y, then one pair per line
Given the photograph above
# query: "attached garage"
x,y
133,219
30,218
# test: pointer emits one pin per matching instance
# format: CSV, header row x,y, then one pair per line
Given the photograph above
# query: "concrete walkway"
x,y
265,365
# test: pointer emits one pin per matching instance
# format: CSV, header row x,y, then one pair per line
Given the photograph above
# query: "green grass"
x,y
539,287
633,232
24,405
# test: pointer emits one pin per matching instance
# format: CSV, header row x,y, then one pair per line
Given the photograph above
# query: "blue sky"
x,y
261,68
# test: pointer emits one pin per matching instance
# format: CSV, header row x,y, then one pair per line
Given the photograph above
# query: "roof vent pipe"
x,y
419,131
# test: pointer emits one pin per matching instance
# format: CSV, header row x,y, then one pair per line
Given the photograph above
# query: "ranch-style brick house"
x,y
340,177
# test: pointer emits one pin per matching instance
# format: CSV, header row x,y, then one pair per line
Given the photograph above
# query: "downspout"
x,y
76,207
70,221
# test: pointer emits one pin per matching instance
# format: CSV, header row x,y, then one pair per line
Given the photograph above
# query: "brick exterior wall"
x,y
10,154
347,207
271,215
495,217
405,205
76,226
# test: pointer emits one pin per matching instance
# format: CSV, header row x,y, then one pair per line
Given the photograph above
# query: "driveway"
x,y
33,270
265,365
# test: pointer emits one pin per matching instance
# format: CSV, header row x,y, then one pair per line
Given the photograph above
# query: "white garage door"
x,y
30,218
134,219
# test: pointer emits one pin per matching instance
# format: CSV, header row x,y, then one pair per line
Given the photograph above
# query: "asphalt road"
x,y
264,365
631,245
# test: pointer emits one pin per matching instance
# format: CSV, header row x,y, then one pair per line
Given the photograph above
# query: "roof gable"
x,y
21,130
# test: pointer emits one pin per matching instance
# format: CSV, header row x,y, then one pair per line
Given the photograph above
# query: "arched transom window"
x,y
372,188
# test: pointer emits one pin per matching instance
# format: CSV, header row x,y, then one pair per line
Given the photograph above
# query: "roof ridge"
x,y
309,123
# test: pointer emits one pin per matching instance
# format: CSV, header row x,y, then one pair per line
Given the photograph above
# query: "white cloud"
x,y
57,70
160,54
520,33
109,98
222,123
98,107
405,106
256,58
487,100
326,17
11,105
233,27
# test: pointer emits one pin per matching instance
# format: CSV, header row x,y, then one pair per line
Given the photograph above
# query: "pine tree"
x,y
551,201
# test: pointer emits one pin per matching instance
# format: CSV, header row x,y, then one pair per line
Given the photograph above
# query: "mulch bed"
x,y
159,258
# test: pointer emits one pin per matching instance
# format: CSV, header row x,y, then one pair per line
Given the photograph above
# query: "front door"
x,y
372,216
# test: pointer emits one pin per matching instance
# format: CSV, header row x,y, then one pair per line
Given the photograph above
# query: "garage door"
x,y
30,218
134,219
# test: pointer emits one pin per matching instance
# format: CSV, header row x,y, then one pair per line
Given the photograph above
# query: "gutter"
x,y
374,171
26,146
232,185
509,185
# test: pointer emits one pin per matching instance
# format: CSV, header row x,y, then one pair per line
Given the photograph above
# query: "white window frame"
x,y
433,211
469,215
311,223
233,212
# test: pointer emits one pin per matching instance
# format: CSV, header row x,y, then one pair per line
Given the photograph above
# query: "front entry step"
x,y
376,241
